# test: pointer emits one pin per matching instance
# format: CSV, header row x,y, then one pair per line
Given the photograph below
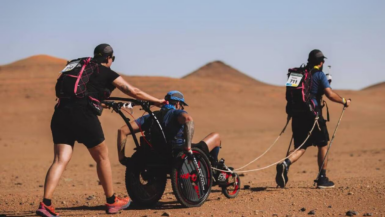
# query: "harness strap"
x,y
80,74
327,110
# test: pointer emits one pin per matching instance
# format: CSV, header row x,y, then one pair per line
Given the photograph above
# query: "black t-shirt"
x,y
100,82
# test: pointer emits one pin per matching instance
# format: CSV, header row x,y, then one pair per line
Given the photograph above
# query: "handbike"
x,y
149,167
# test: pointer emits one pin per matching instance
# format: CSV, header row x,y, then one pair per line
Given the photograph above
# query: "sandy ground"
x,y
248,118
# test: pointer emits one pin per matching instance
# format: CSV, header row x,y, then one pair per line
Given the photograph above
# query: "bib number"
x,y
70,66
294,80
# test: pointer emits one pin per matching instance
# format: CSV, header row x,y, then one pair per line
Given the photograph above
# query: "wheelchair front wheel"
x,y
233,185
191,178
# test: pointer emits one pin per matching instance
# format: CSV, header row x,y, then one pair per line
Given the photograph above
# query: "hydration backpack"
x,y
74,78
72,83
299,99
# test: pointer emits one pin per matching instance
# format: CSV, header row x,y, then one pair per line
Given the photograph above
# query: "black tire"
x,y
144,187
185,178
233,186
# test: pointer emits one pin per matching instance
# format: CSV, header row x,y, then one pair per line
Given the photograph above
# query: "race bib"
x,y
70,66
294,80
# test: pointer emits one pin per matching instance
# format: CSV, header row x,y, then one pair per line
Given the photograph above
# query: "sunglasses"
x,y
113,58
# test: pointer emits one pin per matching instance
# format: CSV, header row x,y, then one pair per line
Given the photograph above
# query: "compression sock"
x,y
288,163
111,200
47,202
214,153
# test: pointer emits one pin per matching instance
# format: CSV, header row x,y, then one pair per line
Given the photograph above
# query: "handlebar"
x,y
131,103
116,106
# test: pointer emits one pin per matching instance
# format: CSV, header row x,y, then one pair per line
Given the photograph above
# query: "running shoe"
x,y
46,211
120,204
324,182
281,177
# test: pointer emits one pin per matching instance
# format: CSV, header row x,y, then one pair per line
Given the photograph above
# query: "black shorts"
x,y
301,127
76,123
202,146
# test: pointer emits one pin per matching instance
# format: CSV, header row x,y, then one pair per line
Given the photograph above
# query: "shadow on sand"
x,y
17,214
133,206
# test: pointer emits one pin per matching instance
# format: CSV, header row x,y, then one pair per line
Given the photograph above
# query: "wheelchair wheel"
x,y
145,186
191,180
233,186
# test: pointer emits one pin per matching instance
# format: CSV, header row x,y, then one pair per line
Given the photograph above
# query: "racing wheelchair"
x,y
148,169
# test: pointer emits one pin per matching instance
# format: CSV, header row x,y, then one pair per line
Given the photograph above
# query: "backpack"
x,y
300,101
72,83
154,135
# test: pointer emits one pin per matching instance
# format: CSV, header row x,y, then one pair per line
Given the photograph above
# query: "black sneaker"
x,y
218,177
323,182
221,165
281,177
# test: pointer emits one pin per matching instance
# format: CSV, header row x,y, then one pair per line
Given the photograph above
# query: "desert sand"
x,y
247,113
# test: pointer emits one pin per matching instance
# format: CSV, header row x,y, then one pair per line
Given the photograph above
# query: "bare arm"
x,y
188,123
135,92
123,132
333,96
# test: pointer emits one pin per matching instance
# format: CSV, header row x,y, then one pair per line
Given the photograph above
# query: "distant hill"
x,y
376,86
32,77
220,71
33,67
37,60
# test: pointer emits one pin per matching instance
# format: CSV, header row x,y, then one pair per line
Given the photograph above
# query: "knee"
x,y
101,157
323,148
217,138
123,131
215,135
62,160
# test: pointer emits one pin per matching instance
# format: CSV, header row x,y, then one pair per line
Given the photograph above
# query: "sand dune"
x,y
376,87
219,71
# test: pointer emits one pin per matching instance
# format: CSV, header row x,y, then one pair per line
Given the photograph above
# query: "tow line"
x,y
239,170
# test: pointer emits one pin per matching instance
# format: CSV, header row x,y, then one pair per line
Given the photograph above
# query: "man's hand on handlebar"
x,y
160,103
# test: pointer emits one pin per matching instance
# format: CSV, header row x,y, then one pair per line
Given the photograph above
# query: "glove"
x,y
346,102
190,154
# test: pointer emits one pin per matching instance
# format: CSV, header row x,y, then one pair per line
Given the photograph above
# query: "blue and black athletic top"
x,y
172,128
318,85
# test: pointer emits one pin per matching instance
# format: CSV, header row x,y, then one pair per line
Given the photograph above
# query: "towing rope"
x,y
268,149
258,169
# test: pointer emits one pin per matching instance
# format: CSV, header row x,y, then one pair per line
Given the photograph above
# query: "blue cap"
x,y
175,95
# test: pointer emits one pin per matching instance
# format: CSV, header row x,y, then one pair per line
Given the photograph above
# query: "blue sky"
x,y
172,37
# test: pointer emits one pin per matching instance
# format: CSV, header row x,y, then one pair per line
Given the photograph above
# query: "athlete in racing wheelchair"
x,y
171,130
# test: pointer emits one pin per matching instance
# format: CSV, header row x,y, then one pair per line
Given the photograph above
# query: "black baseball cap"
x,y
316,55
103,50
